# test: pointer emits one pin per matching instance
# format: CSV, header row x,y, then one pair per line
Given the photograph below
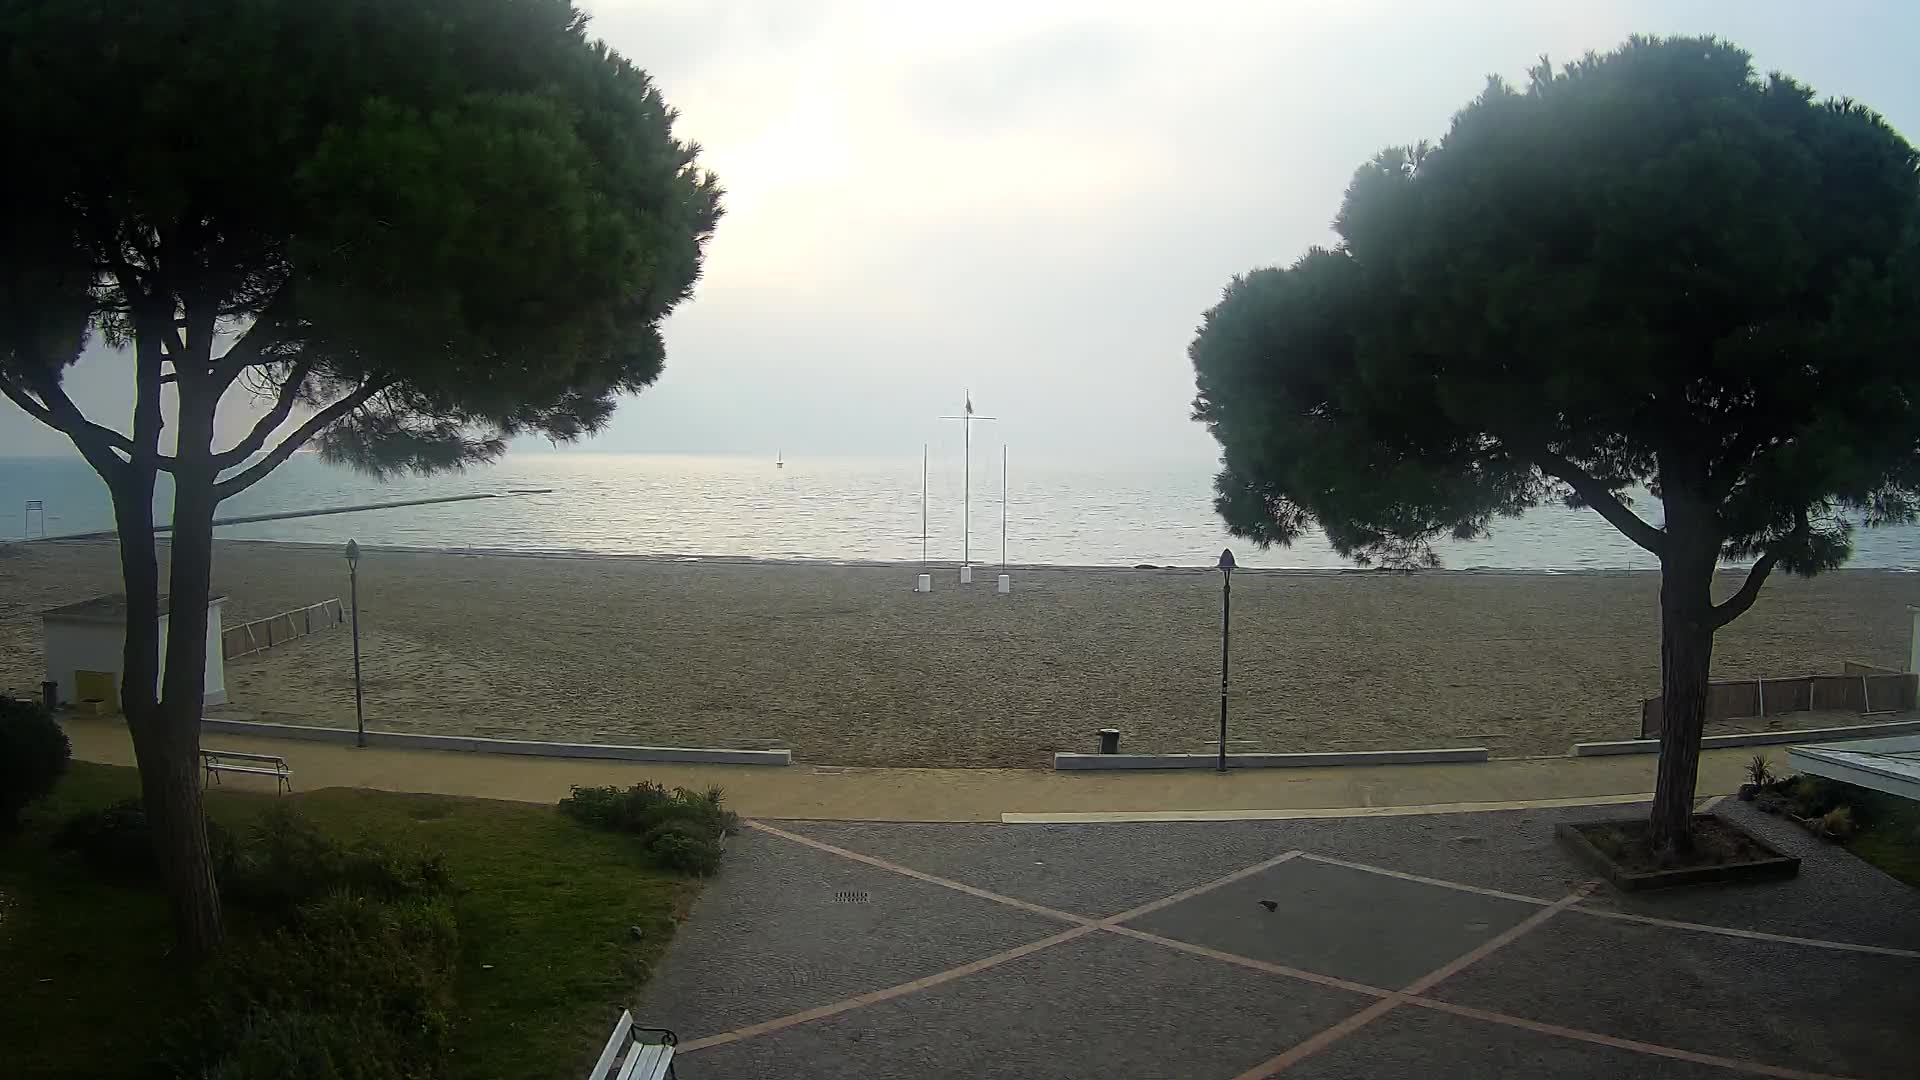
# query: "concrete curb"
x,y
476,745
1754,738
1113,762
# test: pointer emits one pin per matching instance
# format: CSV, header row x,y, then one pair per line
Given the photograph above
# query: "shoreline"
x,y
698,559
847,665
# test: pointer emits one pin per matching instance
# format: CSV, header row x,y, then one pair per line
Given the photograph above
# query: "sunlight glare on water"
x,y
823,508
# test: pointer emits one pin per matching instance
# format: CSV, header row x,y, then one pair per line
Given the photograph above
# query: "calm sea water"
x,y
830,509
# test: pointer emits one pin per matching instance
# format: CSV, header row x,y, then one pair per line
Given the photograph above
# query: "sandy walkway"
x,y
848,666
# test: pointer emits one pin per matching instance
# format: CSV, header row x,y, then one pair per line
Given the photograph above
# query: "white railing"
x,y
263,634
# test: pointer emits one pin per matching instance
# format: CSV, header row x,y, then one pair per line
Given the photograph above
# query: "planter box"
x,y
1772,867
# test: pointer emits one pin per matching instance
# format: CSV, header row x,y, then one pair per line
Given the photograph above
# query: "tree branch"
x,y
1596,495
1737,604
56,410
315,424
282,408
259,337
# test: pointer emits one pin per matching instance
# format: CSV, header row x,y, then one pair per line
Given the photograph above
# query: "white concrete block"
x,y
924,583
1005,584
966,575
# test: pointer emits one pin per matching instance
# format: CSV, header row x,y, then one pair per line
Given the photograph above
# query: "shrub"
x,y
679,829
683,847
117,843
606,807
351,987
33,756
1760,771
1813,796
306,1046
1837,823
287,862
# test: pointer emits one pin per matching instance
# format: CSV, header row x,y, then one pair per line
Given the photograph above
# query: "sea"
x,y
831,509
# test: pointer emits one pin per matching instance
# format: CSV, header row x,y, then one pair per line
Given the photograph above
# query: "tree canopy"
x,y
402,232
432,224
1651,269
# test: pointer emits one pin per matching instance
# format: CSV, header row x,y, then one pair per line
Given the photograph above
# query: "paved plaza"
x,y
1453,945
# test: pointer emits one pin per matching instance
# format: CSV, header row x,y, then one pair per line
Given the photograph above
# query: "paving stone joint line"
x,y
1387,1000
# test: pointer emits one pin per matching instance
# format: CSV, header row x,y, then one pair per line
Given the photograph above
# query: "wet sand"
x,y
847,666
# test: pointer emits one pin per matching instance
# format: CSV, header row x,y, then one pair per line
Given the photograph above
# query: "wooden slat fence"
x,y
1863,689
263,634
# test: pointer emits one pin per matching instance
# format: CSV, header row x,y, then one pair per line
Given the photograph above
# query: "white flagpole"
x,y
1003,506
923,504
966,510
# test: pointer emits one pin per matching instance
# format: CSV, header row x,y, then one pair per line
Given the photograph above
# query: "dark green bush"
x,y
33,756
116,842
287,862
350,988
679,829
305,1046
683,847
604,807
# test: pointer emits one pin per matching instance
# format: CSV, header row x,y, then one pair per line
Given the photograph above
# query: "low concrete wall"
x,y
1753,738
473,744
1109,762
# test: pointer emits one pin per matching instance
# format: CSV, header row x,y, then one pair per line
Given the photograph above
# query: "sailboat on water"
x,y
779,461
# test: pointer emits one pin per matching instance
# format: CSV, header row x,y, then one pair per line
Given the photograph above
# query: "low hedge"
x,y
679,829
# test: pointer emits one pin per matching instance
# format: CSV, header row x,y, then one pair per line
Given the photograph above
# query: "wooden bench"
x,y
643,1060
233,761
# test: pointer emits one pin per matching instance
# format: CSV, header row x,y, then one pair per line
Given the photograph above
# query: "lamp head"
x,y
1226,560
353,553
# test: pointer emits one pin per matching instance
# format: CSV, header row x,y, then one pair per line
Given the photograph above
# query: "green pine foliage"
x,y
1651,270
468,204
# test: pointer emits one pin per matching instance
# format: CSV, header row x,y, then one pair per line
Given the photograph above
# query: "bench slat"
x,y
603,1069
247,769
238,756
647,1061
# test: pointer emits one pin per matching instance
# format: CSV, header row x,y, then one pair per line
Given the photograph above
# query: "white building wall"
x,y
81,646
89,645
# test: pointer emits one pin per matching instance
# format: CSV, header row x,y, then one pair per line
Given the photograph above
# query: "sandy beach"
x,y
847,666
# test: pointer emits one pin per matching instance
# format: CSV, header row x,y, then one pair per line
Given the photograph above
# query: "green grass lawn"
x,y
1892,842
546,909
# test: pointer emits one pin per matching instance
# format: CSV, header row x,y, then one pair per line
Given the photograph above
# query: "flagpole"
x,y
966,509
1003,506
923,504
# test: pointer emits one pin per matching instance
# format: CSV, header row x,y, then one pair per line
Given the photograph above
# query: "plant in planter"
x,y
1837,823
1759,775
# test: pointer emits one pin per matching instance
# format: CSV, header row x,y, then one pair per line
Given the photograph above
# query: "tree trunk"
x,y
168,750
174,804
1686,656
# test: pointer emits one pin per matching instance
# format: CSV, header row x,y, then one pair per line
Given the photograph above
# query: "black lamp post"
x,y
353,578
1226,610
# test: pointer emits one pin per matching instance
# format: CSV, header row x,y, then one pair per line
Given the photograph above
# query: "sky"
x,y
1037,201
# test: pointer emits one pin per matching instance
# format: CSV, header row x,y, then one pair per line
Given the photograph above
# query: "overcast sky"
x,y
1037,200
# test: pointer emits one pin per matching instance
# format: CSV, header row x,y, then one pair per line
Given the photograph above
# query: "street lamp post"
x,y
353,586
1226,611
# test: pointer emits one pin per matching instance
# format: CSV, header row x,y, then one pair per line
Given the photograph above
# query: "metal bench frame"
x,y
215,762
626,1039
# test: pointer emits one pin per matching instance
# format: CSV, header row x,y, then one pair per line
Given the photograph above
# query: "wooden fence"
x,y
1862,688
263,634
